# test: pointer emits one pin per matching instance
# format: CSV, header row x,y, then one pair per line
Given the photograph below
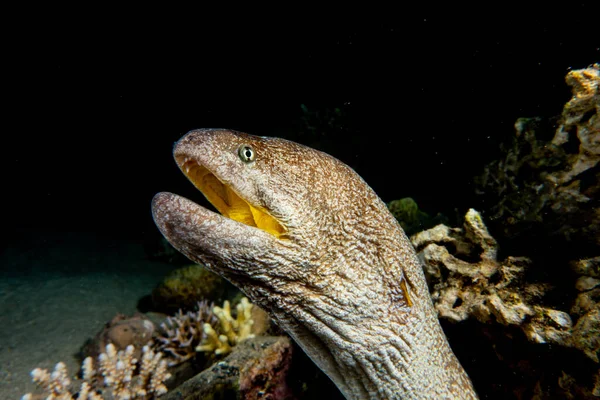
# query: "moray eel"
x,y
304,237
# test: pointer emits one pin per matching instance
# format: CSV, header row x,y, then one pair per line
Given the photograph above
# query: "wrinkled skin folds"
x,y
305,238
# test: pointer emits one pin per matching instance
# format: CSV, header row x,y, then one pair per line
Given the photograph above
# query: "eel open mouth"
x,y
227,201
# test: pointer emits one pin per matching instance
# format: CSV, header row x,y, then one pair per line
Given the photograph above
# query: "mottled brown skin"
x,y
344,281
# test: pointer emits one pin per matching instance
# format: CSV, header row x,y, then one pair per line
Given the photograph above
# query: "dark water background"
x,y
94,104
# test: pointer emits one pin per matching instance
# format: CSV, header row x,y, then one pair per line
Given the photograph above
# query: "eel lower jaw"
x,y
203,235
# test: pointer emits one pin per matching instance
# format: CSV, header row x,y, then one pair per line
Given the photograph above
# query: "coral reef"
x,y
255,369
541,197
483,287
468,282
182,333
122,331
185,287
230,331
548,181
120,376
586,332
411,218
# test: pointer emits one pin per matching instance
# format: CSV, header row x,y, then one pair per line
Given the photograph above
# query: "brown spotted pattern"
x,y
345,282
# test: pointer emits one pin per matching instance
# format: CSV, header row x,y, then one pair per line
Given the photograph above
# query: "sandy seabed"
x,y
58,290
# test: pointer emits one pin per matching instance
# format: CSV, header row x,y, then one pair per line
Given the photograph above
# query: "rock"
x,y
121,331
256,369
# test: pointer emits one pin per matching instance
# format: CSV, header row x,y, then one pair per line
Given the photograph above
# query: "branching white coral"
x,y
115,378
56,384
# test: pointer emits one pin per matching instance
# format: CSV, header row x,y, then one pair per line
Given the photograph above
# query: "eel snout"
x,y
205,236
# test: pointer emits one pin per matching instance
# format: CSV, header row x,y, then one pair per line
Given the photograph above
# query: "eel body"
x,y
304,237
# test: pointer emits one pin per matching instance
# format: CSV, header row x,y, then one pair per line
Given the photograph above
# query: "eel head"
x,y
287,214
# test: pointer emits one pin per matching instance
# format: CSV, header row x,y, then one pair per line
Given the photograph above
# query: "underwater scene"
x,y
224,209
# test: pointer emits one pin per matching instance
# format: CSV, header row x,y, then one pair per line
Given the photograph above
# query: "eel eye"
x,y
246,153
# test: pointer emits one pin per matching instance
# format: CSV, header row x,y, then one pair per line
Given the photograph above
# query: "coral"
x,y
116,377
410,217
487,289
184,287
483,287
229,331
586,332
469,282
546,186
118,368
182,333
122,331
56,385
541,198
210,329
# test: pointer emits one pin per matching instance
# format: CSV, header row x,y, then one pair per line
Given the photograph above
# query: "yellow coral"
x,y
232,331
585,83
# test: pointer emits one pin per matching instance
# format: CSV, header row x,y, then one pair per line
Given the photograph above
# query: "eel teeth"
x,y
187,162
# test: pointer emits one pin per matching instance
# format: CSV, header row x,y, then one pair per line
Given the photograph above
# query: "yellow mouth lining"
x,y
228,203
